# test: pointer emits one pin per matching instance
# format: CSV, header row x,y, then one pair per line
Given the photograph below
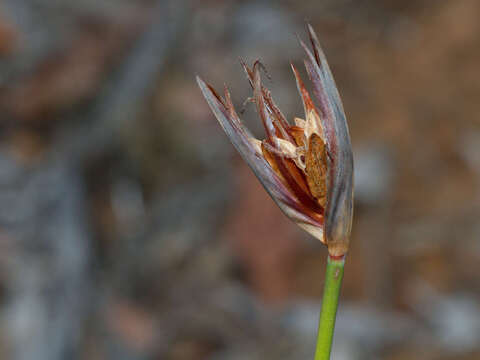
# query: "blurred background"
x,y
131,229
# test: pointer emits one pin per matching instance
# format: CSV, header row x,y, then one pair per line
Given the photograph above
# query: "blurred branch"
x,y
45,225
46,259
123,97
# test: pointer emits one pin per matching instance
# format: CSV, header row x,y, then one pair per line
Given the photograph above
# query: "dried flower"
x,y
307,168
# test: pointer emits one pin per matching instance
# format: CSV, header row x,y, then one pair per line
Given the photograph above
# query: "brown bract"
x,y
307,167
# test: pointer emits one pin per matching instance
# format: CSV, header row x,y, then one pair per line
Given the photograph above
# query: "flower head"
x,y
307,168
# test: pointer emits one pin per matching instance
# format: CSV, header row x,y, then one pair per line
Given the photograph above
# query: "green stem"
x,y
331,293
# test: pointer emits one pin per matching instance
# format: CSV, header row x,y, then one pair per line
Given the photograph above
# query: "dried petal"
x,y
248,147
278,119
287,169
339,210
308,105
298,134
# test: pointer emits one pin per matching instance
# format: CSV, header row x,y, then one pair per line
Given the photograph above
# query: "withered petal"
x,y
294,177
278,119
242,139
298,134
267,119
339,211
308,105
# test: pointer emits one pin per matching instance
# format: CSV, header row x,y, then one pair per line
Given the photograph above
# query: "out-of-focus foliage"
x,y
130,229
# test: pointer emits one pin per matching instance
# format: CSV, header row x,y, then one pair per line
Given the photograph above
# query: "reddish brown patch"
x,y
336,257
295,181
307,100
298,135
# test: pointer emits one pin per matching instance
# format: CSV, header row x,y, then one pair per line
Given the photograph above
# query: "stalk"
x,y
331,293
